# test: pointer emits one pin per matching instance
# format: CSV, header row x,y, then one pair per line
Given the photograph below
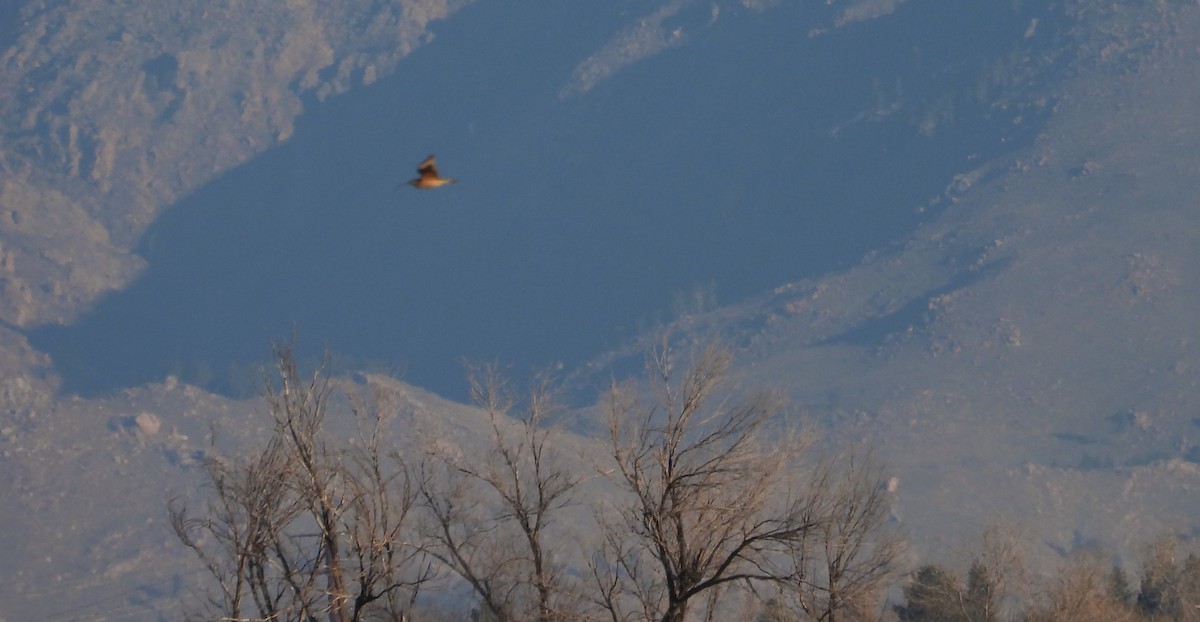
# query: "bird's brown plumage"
x,y
428,176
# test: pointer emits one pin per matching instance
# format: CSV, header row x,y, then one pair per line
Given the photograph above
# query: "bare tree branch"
x,y
306,528
490,514
709,501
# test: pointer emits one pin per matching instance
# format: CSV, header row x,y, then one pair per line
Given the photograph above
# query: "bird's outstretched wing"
x,y
428,167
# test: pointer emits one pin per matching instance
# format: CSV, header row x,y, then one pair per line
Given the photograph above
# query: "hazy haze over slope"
x,y
964,233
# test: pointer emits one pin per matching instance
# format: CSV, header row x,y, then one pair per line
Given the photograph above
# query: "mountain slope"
x,y
1023,351
758,148
109,113
1030,355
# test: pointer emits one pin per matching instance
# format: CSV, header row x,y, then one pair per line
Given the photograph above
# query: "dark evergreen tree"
x,y
1118,587
1187,587
932,595
980,602
1156,596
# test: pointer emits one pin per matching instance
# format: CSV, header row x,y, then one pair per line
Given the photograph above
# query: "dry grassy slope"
x,y
1030,356
85,501
88,482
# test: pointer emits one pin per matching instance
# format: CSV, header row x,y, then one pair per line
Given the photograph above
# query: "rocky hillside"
x,y
1030,356
111,112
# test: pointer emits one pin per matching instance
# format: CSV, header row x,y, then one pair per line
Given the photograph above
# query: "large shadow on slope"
x,y
573,219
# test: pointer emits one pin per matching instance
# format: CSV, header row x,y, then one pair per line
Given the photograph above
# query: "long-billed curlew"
x,y
429,177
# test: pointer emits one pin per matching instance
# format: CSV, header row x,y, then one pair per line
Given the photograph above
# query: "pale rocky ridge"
x,y
111,112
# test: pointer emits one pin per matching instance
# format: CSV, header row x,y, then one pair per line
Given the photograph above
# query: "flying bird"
x,y
429,177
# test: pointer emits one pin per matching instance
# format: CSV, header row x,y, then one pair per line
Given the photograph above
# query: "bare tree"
x,y
708,505
997,579
306,528
709,515
489,514
1080,594
237,538
387,562
855,551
